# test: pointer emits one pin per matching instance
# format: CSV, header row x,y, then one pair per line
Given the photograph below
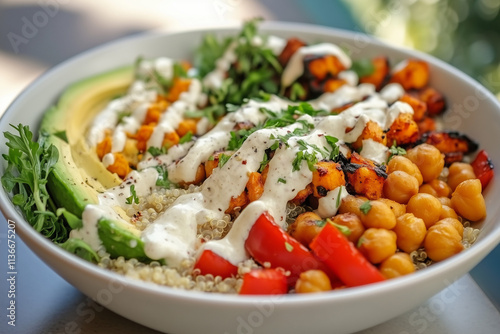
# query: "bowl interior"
x,y
472,110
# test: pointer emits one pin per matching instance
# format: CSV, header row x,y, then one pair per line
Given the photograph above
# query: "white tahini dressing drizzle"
x,y
172,236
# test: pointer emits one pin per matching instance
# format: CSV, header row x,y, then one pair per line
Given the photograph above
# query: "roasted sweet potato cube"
x,y
367,181
170,139
356,158
255,186
179,86
327,176
404,130
380,73
342,108
142,136
321,67
120,165
427,124
419,107
213,162
104,147
332,85
237,202
371,131
199,177
292,45
413,75
185,126
434,100
302,195
450,141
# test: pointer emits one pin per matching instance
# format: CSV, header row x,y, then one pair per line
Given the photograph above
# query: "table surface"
x,y
45,303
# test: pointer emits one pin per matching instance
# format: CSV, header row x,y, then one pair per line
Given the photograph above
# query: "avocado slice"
x,y
78,177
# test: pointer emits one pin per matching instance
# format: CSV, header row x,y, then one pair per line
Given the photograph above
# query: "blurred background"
x,y
37,34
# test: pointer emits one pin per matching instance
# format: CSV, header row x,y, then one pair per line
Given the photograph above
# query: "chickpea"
x,y
351,221
405,165
447,212
468,201
305,227
455,223
410,232
425,206
377,244
442,188
445,201
400,186
459,172
379,216
397,208
427,189
351,204
428,159
399,264
442,241
313,281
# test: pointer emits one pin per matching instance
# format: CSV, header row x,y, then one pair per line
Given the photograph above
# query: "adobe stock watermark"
x,y
420,319
88,309
30,26
222,7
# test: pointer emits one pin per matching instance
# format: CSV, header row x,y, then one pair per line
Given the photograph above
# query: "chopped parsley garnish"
x,y
281,180
122,115
395,150
343,229
133,197
223,158
238,137
339,197
162,180
297,92
363,67
263,163
186,138
320,223
288,247
365,207
156,151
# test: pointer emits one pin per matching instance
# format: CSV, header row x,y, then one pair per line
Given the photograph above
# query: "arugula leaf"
x,y
133,197
81,249
73,221
29,164
297,92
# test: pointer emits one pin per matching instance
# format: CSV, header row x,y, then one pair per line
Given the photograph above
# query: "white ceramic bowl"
x,y
473,110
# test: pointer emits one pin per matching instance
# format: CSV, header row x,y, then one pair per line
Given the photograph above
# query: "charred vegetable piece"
x,y
371,131
419,107
403,131
327,176
413,75
483,168
321,67
451,143
292,45
380,73
364,178
427,124
434,100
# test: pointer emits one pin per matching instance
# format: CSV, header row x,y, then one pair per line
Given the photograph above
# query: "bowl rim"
x,y
483,246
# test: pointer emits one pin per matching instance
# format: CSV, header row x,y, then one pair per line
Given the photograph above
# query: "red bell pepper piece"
x,y
269,243
343,258
211,263
483,168
264,282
